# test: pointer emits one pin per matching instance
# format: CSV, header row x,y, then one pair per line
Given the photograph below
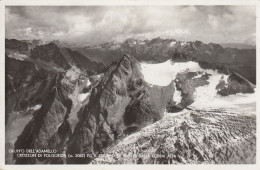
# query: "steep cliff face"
x,y
26,85
48,126
45,122
42,88
82,62
28,94
79,114
50,53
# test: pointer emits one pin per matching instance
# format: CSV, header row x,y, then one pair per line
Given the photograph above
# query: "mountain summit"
x,y
60,99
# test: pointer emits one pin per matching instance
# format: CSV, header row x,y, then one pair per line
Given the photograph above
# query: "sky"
x,y
99,24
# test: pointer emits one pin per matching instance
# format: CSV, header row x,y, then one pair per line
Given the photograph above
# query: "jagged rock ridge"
x,y
56,100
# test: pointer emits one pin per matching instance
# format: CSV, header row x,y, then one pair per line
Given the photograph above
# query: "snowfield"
x,y
162,74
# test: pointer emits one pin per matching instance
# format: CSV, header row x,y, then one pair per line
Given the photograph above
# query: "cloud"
x,y
213,22
106,23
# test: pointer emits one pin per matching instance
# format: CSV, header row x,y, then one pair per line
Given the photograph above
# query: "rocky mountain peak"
x,y
126,103
86,109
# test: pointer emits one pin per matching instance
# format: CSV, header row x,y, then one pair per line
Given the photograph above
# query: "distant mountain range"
x,y
87,100
238,45
241,61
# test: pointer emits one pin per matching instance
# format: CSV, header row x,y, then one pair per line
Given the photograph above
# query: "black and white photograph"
x,y
148,84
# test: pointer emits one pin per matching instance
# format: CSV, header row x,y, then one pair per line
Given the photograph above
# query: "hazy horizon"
x,y
96,25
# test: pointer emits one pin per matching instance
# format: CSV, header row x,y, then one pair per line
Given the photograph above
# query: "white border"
x,y
127,2
2,84
116,3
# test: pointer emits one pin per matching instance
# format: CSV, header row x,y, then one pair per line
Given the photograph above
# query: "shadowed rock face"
x,y
39,87
84,63
120,103
50,53
54,109
236,84
26,85
22,47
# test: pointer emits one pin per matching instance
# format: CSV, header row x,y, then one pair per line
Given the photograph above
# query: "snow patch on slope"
x,y
18,56
162,74
199,75
183,43
87,81
73,73
83,96
177,96
243,102
37,107
172,43
225,78
205,95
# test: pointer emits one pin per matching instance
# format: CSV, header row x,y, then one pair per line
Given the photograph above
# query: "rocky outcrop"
x,y
186,84
235,84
